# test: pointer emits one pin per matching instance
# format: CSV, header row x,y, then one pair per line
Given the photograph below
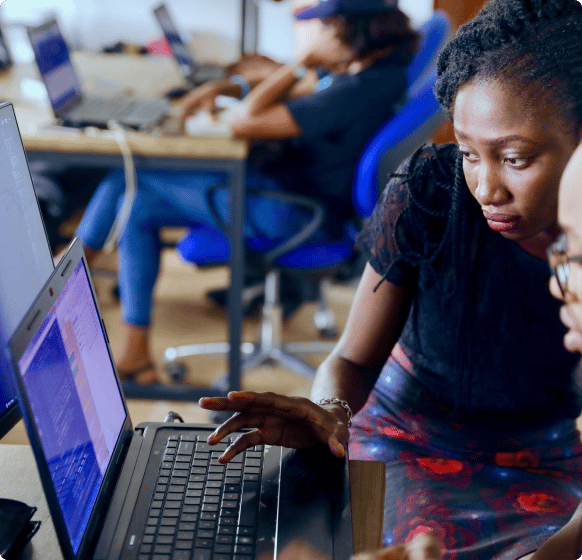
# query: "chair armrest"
x,y
304,202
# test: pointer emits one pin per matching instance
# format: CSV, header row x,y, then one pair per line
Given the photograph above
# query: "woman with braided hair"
x,y
452,355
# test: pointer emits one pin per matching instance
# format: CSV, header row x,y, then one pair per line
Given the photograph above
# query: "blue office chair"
x,y
434,33
402,134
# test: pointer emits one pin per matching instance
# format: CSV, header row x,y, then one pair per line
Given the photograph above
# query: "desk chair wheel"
x,y
176,371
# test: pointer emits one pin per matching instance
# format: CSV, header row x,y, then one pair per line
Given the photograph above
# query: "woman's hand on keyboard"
x,y
422,547
294,422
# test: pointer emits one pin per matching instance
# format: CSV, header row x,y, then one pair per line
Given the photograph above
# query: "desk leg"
x,y
237,273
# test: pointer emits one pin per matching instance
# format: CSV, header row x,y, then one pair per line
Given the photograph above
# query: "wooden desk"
x,y
113,75
19,480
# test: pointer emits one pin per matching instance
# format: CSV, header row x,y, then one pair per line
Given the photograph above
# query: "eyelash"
x,y
521,162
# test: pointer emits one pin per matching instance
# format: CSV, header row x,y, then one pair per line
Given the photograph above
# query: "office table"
x,y
146,77
19,480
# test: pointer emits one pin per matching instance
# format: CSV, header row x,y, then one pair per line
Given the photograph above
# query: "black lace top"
x,y
483,332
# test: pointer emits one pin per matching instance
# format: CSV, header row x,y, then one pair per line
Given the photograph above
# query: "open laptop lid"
x,y
180,50
5,58
24,251
71,402
54,64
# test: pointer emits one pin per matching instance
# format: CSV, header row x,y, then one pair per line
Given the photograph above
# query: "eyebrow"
x,y
498,141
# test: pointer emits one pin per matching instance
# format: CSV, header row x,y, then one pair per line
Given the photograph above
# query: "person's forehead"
x,y
489,106
570,198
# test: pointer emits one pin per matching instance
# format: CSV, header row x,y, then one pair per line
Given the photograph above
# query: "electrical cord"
x,y
119,135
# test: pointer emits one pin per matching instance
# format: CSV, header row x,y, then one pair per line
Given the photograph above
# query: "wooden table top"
x,y
109,75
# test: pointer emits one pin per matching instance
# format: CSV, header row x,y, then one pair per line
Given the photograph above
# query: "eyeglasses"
x,y
560,262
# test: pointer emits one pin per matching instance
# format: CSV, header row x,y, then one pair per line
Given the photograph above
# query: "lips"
x,y
502,222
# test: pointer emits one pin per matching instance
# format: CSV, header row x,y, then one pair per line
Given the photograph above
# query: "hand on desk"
x,y
422,547
203,98
293,422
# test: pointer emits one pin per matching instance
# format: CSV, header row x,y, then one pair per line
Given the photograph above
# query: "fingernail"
x,y
211,438
338,448
222,459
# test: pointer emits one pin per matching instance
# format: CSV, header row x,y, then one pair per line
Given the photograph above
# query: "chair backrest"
x,y
434,33
408,129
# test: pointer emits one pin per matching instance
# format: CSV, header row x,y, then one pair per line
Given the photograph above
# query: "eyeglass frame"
x,y
561,270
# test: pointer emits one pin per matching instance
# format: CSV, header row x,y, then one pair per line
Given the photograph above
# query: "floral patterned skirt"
x,y
494,493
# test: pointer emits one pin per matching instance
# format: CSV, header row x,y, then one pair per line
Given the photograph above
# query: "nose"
x,y
490,187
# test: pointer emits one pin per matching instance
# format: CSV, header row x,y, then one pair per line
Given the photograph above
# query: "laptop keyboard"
x,y
99,109
201,509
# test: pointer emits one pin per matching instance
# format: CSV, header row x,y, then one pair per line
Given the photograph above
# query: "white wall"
x,y
91,24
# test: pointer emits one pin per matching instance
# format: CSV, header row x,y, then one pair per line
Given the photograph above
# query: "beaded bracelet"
x,y
335,400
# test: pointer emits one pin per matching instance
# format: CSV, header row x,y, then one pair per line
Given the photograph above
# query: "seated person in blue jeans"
x,y
315,141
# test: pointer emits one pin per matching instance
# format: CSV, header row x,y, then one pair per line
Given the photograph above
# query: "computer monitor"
x,y
25,257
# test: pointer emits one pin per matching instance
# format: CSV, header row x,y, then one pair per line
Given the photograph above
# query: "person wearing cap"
x,y
308,134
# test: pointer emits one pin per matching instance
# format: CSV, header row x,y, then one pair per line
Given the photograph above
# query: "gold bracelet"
x,y
335,400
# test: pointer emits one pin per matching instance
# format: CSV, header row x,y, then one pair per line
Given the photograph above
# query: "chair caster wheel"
x,y
176,371
328,333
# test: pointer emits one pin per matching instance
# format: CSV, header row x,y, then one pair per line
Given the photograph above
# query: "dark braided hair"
x,y
525,43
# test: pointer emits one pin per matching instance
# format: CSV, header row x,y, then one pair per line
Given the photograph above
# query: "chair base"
x,y
268,350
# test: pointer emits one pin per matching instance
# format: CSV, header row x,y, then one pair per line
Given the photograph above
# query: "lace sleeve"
x,y
408,226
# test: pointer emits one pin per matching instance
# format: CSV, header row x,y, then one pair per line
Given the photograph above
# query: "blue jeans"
x,y
170,199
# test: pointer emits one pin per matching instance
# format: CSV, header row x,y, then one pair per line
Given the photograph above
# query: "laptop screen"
x,y
74,398
54,64
25,253
181,51
5,59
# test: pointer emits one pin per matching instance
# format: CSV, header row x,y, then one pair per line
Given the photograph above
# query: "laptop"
x,y
5,58
195,74
156,492
75,108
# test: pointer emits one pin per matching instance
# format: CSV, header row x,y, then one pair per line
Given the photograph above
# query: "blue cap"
x,y
327,8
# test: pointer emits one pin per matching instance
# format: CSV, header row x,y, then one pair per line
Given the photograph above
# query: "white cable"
x,y
118,134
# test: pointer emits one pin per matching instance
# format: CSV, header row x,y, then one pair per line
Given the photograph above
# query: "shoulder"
x,y
429,176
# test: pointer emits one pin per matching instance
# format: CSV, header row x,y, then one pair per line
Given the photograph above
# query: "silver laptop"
x,y
193,72
156,492
72,106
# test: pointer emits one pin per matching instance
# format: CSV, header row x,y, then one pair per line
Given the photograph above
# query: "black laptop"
x,y
72,106
156,492
194,73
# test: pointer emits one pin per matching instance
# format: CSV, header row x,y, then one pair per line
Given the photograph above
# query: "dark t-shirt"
x,y
483,332
337,121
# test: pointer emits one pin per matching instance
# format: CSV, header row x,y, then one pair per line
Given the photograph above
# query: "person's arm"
x,y
263,113
566,544
423,546
373,327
